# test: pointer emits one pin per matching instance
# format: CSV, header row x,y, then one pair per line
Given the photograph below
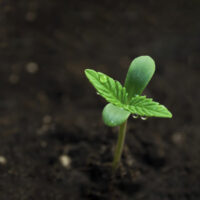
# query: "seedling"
x,y
127,100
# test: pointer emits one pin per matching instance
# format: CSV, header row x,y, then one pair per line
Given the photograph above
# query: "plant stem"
x,y
120,145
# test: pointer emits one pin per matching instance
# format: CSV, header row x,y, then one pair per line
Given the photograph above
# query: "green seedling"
x,y
127,100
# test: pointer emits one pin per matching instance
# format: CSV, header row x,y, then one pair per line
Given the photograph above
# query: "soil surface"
x,y
54,145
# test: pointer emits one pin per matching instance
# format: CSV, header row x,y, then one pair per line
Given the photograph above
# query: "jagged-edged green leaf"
x,y
143,106
113,115
108,88
121,107
139,74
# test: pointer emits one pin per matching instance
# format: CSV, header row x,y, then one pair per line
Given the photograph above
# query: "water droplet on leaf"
x,y
135,116
144,118
98,93
103,79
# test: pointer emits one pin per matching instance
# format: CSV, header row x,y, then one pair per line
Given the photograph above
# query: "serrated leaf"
x,y
114,116
108,88
121,107
143,106
139,74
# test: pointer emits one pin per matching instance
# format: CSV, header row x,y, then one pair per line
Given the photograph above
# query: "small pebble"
x,y
47,119
3,160
43,144
43,129
130,161
31,16
13,78
32,67
65,161
178,138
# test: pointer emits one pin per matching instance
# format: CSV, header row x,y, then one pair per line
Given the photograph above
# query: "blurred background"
x,y
50,115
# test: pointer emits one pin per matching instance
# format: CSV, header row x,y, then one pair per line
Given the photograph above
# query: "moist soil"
x,y
53,141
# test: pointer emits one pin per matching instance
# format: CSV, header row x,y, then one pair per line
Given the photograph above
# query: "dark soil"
x,y
48,109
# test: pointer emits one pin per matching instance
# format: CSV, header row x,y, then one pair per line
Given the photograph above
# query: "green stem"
x,y
120,145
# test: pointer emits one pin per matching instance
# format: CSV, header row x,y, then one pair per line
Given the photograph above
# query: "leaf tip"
x,y
87,71
167,114
170,115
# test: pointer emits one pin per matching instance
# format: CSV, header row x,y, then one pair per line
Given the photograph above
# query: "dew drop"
x,y
135,116
98,93
144,118
103,79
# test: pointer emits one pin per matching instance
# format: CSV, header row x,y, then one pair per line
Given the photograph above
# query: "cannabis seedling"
x,y
127,100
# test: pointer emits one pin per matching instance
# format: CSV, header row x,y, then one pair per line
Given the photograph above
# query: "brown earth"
x,y
48,108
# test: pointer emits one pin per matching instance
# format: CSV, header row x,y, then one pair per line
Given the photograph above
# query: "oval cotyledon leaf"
x,y
113,115
139,74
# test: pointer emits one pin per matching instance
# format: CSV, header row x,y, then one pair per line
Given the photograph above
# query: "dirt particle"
x,y
47,119
14,79
31,16
178,138
43,129
43,144
3,160
65,161
32,67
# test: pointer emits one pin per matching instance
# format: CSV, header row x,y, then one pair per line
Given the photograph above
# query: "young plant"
x,y
127,100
